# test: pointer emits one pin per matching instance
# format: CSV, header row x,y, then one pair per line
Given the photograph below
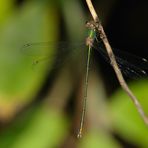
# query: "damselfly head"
x,y
91,25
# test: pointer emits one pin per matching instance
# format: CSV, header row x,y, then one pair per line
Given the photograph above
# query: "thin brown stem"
x,y
114,63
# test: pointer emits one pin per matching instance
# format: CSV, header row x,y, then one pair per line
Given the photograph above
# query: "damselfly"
x,y
130,65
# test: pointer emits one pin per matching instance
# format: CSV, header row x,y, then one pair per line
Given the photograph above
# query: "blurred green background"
x,y
40,108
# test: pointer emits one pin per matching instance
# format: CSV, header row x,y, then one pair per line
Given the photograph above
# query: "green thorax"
x,y
92,33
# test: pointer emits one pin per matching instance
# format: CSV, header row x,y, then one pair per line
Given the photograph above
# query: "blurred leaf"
x,y
18,82
6,7
126,119
76,25
40,127
98,140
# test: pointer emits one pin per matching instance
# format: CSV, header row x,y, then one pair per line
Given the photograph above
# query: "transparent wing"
x,y
43,48
131,65
62,52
